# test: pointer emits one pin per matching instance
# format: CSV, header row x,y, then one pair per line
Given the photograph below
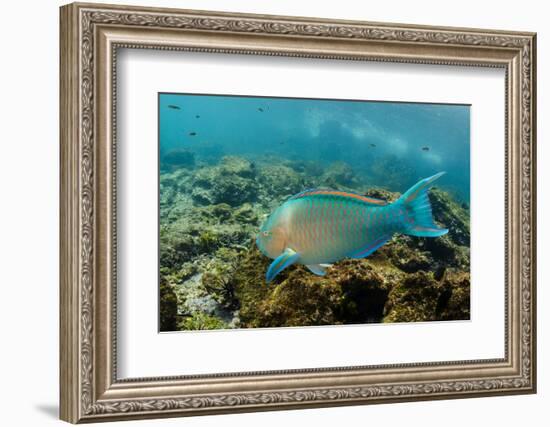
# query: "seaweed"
x,y
168,307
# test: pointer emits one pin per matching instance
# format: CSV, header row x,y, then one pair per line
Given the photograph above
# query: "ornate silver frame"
x,y
90,36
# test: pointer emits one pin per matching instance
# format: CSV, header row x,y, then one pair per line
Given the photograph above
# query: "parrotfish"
x,y
321,226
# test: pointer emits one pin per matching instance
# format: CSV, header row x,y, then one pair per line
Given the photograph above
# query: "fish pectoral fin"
x,y
368,249
287,258
318,269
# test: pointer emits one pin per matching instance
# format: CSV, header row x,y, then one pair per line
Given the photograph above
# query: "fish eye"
x,y
266,233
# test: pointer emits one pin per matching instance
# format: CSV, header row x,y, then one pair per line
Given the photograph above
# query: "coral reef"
x,y
232,182
339,174
353,292
213,276
454,215
280,180
420,297
168,307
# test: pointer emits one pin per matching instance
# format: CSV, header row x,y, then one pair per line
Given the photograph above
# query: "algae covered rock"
x,y
364,289
231,182
413,299
420,297
235,191
353,291
280,180
175,248
249,283
222,211
168,307
203,196
298,301
455,301
217,278
201,321
338,174
198,307
455,216
239,166
407,254
245,214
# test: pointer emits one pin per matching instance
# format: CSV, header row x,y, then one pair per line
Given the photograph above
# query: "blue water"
x,y
388,144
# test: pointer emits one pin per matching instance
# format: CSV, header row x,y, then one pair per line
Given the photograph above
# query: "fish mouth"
x,y
258,244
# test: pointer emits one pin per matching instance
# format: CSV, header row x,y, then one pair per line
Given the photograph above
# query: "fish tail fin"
x,y
418,218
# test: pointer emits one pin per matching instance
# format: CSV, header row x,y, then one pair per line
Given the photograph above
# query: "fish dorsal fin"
x,y
338,193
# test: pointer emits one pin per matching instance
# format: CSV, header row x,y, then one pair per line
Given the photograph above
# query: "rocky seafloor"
x,y
212,276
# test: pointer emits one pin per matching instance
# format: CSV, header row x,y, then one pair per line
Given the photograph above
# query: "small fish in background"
x,y
174,107
192,133
373,145
197,117
260,109
319,227
425,148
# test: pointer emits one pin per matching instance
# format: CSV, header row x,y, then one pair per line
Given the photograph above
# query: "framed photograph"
x,y
267,212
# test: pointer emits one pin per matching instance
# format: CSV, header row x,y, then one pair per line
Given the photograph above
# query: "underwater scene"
x,y
278,212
